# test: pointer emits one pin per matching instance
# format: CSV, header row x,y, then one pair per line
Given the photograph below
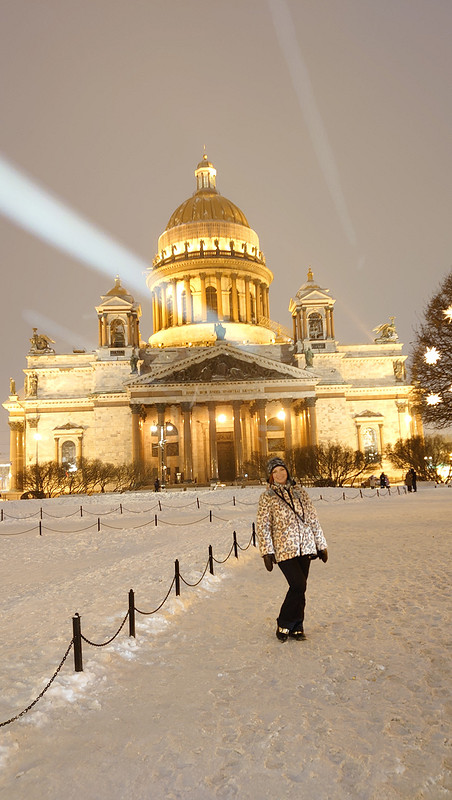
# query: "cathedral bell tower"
x,y
312,318
118,316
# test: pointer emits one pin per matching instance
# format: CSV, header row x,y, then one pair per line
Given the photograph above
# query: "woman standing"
x,y
289,535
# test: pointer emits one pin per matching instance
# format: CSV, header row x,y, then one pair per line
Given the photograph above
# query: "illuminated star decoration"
x,y
432,355
433,399
448,313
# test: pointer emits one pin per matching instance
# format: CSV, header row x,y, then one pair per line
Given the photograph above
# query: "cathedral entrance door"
x,y
226,467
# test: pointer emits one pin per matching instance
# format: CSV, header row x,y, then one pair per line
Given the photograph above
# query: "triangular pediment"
x,y
223,364
115,304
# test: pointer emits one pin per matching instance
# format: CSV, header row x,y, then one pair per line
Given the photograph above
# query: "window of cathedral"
x,y
68,454
117,333
315,324
370,444
169,310
211,303
275,424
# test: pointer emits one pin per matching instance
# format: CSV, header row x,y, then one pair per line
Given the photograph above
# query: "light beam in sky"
x,y
299,74
41,213
56,331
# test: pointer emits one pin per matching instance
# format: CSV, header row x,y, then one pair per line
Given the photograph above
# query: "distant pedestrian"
x,y
382,480
409,481
414,479
289,534
156,485
373,481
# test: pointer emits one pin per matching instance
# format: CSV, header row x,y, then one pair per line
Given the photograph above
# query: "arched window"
x,y
370,444
275,435
117,333
211,303
315,323
68,457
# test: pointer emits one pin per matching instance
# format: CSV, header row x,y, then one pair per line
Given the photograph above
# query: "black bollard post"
x,y
40,528
120,508
197,500
234,536
378,493
2,516
360,492
155,519
160,506
98,523
210,515
77,636
177,576
81,511
343,495
40,513
233,500
131,613
211,560
254,534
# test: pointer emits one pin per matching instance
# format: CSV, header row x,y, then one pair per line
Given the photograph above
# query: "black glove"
x,y
323,554
269,560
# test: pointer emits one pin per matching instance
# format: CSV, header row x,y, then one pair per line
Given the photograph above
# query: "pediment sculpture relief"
x,y
221,368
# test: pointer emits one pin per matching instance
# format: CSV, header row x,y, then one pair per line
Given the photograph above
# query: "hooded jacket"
x,y
287,524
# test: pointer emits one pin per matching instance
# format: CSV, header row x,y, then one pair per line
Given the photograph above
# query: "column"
x,y
79,450
202,276
163,313
161,441
304,324
247,299
56,452
294,322
328,323
219,297
104,331
15,428
238,450
311,421
265,291
188,446
287,406
187,299
360,442
380,431
213,442
261,406
175,303
100,329
136,433
331,323
257,300
235,305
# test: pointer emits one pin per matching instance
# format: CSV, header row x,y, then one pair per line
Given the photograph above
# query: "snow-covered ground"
x,y
206,702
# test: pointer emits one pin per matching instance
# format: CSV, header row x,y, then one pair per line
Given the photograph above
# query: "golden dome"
x,y
206,204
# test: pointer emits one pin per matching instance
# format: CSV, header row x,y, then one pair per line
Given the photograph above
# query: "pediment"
x,y
115,304
223,364
313,296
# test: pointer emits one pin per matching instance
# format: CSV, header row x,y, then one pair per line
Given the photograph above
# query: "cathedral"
x,y
217,386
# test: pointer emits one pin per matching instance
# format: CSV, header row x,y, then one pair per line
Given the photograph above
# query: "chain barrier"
x,y
148,613
41,694
197,582
104,644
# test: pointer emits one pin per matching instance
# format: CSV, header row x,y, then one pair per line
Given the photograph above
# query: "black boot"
x,y
282,634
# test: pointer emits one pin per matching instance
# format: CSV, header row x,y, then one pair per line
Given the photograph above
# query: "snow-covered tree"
x,y
432,359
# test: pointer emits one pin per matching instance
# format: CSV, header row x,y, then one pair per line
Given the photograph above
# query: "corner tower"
x,y
209,270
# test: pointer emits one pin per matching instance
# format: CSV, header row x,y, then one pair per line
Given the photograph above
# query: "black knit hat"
x,y
278,462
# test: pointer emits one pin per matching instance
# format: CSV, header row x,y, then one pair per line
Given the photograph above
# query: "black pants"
x,y
296,571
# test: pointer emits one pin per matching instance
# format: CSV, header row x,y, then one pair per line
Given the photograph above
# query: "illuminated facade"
x,y
218,386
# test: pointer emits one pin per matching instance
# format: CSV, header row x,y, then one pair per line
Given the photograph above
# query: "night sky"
x,y
329,123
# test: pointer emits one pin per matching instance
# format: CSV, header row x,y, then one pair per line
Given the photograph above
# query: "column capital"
x,y
16,425
310,402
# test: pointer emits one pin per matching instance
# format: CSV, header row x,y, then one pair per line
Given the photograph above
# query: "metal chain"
x,y
41,694
197,582
147,613
94,644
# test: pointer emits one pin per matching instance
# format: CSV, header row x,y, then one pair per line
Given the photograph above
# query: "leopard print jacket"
x,y
287,524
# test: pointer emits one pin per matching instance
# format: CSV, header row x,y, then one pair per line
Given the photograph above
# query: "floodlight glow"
x,y
281,415
221,418
448,313
43,214
433,399
432,355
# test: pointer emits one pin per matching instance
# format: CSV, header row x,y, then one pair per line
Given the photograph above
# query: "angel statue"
x,y
386,332
40,343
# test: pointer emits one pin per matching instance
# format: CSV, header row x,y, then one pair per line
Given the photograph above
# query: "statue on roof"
x,y
40,343
386,332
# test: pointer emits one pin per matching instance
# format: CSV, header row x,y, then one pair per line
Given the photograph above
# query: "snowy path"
x,y
208,704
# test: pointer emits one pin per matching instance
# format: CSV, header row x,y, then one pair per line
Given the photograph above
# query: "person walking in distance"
x,y
289,535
